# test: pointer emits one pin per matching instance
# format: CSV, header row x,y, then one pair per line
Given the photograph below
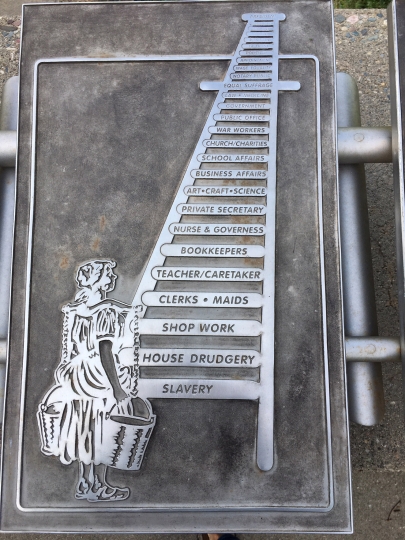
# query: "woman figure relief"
x,y
92,414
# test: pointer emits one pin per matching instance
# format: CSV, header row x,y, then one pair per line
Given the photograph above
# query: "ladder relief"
x,y
223,216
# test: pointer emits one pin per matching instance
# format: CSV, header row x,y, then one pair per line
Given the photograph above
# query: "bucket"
x,y
124,442
49,421
121,440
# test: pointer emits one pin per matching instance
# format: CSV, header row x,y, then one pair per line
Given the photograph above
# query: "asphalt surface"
x,y
378,453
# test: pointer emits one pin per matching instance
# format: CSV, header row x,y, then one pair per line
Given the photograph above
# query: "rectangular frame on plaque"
x,y
176,352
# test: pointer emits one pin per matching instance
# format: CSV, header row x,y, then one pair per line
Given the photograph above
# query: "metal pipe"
x,y
355,145
373,349
3,351
398,158
364,379
8,122
365,145
8,148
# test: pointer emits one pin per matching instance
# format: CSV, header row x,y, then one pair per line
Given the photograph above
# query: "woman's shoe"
x,y
107,493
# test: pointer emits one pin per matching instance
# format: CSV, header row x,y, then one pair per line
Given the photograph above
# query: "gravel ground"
x,y
9,47
379,451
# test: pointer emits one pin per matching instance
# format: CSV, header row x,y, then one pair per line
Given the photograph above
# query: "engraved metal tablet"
x,y
170,274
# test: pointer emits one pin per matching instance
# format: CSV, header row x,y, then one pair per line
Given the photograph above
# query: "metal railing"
x,y
8,138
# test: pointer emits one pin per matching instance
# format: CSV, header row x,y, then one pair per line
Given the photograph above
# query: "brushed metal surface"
x,y
395,16
236,433
365,388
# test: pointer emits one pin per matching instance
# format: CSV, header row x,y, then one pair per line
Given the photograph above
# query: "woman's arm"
x,y
107,361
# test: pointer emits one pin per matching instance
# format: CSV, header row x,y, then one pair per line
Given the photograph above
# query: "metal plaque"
x,y
396,23
176,352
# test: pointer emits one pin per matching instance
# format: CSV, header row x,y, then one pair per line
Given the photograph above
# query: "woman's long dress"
x,y
74,415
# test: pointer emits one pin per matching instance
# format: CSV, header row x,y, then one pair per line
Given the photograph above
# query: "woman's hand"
x,y
120,395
